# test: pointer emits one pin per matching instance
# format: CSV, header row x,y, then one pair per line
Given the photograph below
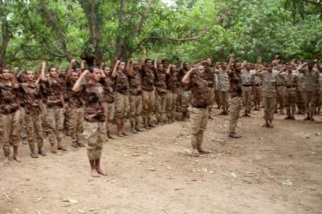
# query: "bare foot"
x,y
16,158
6,161
100,171
94,173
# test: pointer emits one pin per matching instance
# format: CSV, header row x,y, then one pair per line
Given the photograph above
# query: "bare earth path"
x,y
267,171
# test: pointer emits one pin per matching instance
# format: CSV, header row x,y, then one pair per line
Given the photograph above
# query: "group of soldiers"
x,y
86,102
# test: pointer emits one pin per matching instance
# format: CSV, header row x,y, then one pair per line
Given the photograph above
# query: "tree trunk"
x,y
5,37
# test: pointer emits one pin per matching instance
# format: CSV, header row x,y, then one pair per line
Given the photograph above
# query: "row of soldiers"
x,y
49,102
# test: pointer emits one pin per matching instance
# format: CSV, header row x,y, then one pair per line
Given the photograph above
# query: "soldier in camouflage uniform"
x,y
160,92
247,89
199,106
172,82
94,117
223,87
185,93
10,114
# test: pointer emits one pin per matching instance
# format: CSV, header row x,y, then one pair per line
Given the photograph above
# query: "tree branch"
x,y
143,18
312,2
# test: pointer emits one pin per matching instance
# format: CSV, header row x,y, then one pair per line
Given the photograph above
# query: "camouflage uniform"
x,y
109,99
148,81
55,115
94,118
75,113
31,97
247,80
184,93
9,115
223,85
160,92
257,92
311,86
290,81
172,93
135,100
209,77
268,93
198,110
235,102
216,89
121,97
279,93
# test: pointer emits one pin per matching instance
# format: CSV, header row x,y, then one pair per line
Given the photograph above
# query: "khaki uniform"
x,y
31,97
75,113
269,93
290,81
94,118
172,93
55,115
160,95
223,87
148,81
235,102
300,101
198,110
209,77
311,86
279,93
121,97
135,99
109,99
247,88
184,93
257,92
10,117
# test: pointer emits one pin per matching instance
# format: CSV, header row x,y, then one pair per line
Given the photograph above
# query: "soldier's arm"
x,y
76,87
168,70
228,69
143,59
42,74
14,83
115,68
186,78
70,68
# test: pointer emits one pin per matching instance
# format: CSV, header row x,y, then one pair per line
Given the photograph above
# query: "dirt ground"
x,y
267,171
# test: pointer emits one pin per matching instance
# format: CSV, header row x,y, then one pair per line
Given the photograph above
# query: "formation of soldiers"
x,y
87,102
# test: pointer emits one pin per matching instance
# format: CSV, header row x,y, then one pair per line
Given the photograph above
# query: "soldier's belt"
x,y
247,85
292,86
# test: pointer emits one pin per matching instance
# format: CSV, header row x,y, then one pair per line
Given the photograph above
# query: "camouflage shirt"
x,y
54,92
31,96
148,79
236,83
108,86
93,95
75,98
8,99
121,83
160,83
199,92
268,83
62,82
311,79
173,81
223,80
209,76
183,86
135,82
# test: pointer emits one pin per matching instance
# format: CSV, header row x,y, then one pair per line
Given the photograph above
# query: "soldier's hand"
x,y
15,70
144,51
73,61
86,72
43,64
118,61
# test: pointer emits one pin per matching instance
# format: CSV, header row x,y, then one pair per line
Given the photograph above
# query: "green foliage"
x,y
247,29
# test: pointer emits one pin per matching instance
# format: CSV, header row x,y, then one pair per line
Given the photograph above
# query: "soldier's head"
x,y
78,70
148,63
74,75
95,73
269,67
173,68
185,65
62,72
52,72
30,76
135,64
6,75
310,65
107,70
200,71
248,66
160,67
121,66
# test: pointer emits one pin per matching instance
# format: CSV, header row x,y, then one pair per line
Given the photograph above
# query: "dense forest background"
x,y
191,30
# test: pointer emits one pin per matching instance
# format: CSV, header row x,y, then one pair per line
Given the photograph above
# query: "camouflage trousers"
x,y
55,121
171,103
109,112
224,95
185,97
34,128
76,119
217,97
309,101
279,97
160,107
319,100
269,104
257,94
290,99
10,130
23,123
300,101
121,108
247,100
235,105
147,104
135,109
199,120
45,125
95,136
211,97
